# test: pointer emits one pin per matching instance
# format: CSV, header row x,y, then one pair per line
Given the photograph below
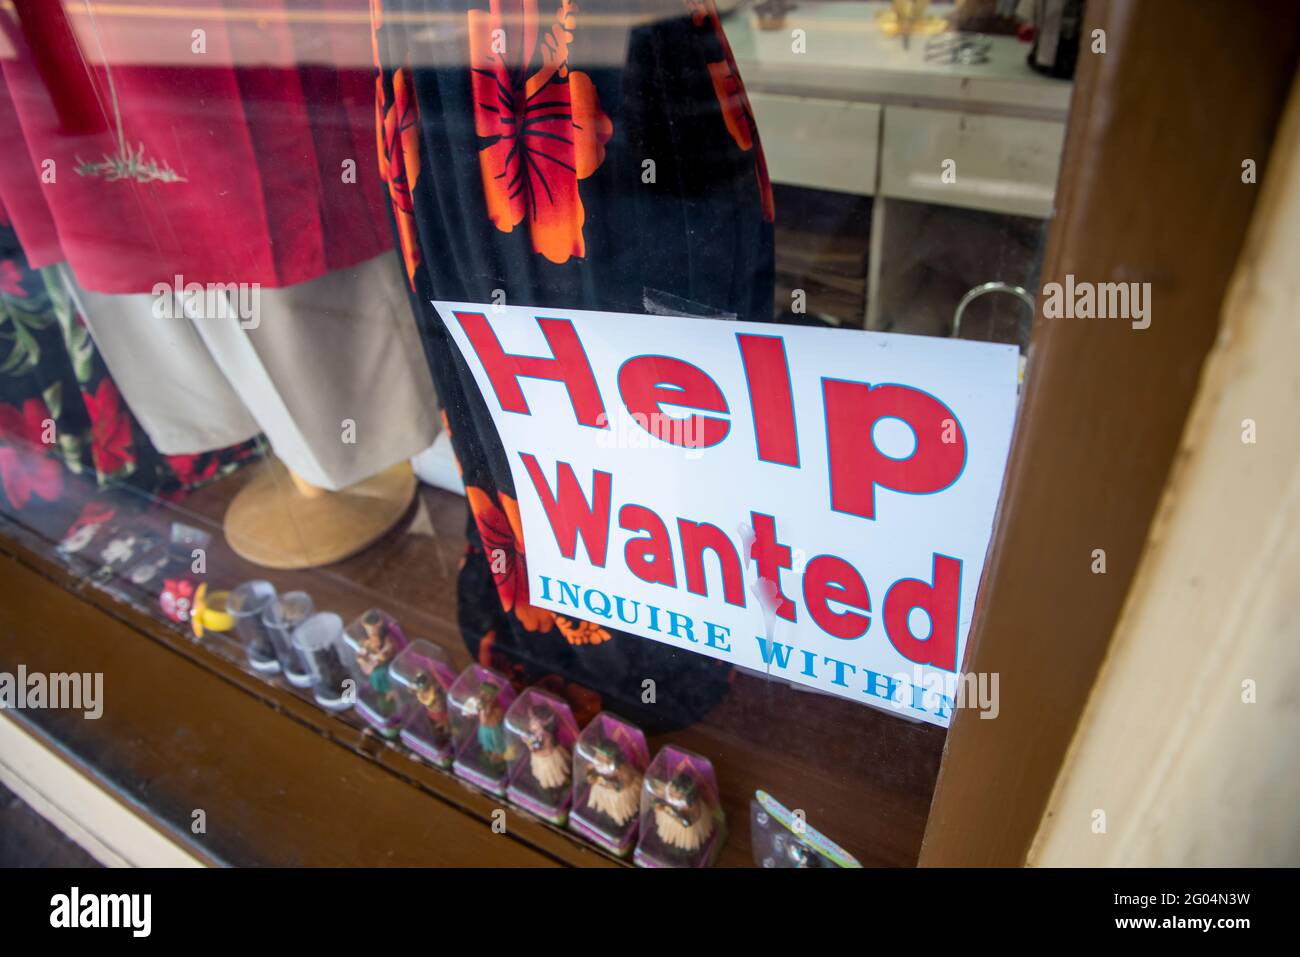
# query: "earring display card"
x,y
780,837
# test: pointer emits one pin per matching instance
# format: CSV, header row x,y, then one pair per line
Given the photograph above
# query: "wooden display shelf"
x,y
293,779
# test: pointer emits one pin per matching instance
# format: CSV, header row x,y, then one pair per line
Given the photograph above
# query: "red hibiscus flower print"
x,y
11,279
583,702
541,128
737,114
111,441
579,632
398,126
503,542
192,470
26,469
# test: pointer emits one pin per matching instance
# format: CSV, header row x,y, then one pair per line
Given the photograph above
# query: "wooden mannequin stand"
x,y
280,520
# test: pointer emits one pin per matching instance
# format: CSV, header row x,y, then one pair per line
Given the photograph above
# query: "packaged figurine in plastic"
x,y
184,546
177,599
479,700
682,824
780,838
77,539
127,546
279,620
319,641
375,639
542,734
608,767
149,568
423,676
246,605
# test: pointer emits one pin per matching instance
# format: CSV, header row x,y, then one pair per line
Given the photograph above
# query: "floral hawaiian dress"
x,y
598,157
60,413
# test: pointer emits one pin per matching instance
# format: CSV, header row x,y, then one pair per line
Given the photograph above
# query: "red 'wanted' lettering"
x,y
568,511
939,601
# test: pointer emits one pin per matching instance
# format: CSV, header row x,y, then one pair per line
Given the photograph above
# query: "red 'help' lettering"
x,y
771,397
857,466
940,601
568,511
569,366
647,382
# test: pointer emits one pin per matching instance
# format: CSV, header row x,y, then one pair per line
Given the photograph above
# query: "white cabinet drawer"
x,y
1002,164
825,144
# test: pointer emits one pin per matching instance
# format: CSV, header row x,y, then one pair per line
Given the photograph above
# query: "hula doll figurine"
x,y
433,699
479,700
681,819
608,767
375,640
548,760
614,785
376,651
422,676
542,735
491,733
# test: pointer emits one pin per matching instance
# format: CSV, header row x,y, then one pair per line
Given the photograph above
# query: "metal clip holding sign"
x,y
983,290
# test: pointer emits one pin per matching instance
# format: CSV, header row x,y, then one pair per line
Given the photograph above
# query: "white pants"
x,y
331,370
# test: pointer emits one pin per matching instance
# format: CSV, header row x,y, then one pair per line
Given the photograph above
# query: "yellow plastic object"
x,y
209,612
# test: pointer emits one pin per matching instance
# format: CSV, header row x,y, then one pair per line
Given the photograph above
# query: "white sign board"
x,y
814,504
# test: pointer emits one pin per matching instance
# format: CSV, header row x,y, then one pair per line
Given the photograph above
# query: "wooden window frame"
x,y
1150,190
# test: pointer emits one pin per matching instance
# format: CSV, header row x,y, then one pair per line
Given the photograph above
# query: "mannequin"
x,y
233,292
330,371
280,520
